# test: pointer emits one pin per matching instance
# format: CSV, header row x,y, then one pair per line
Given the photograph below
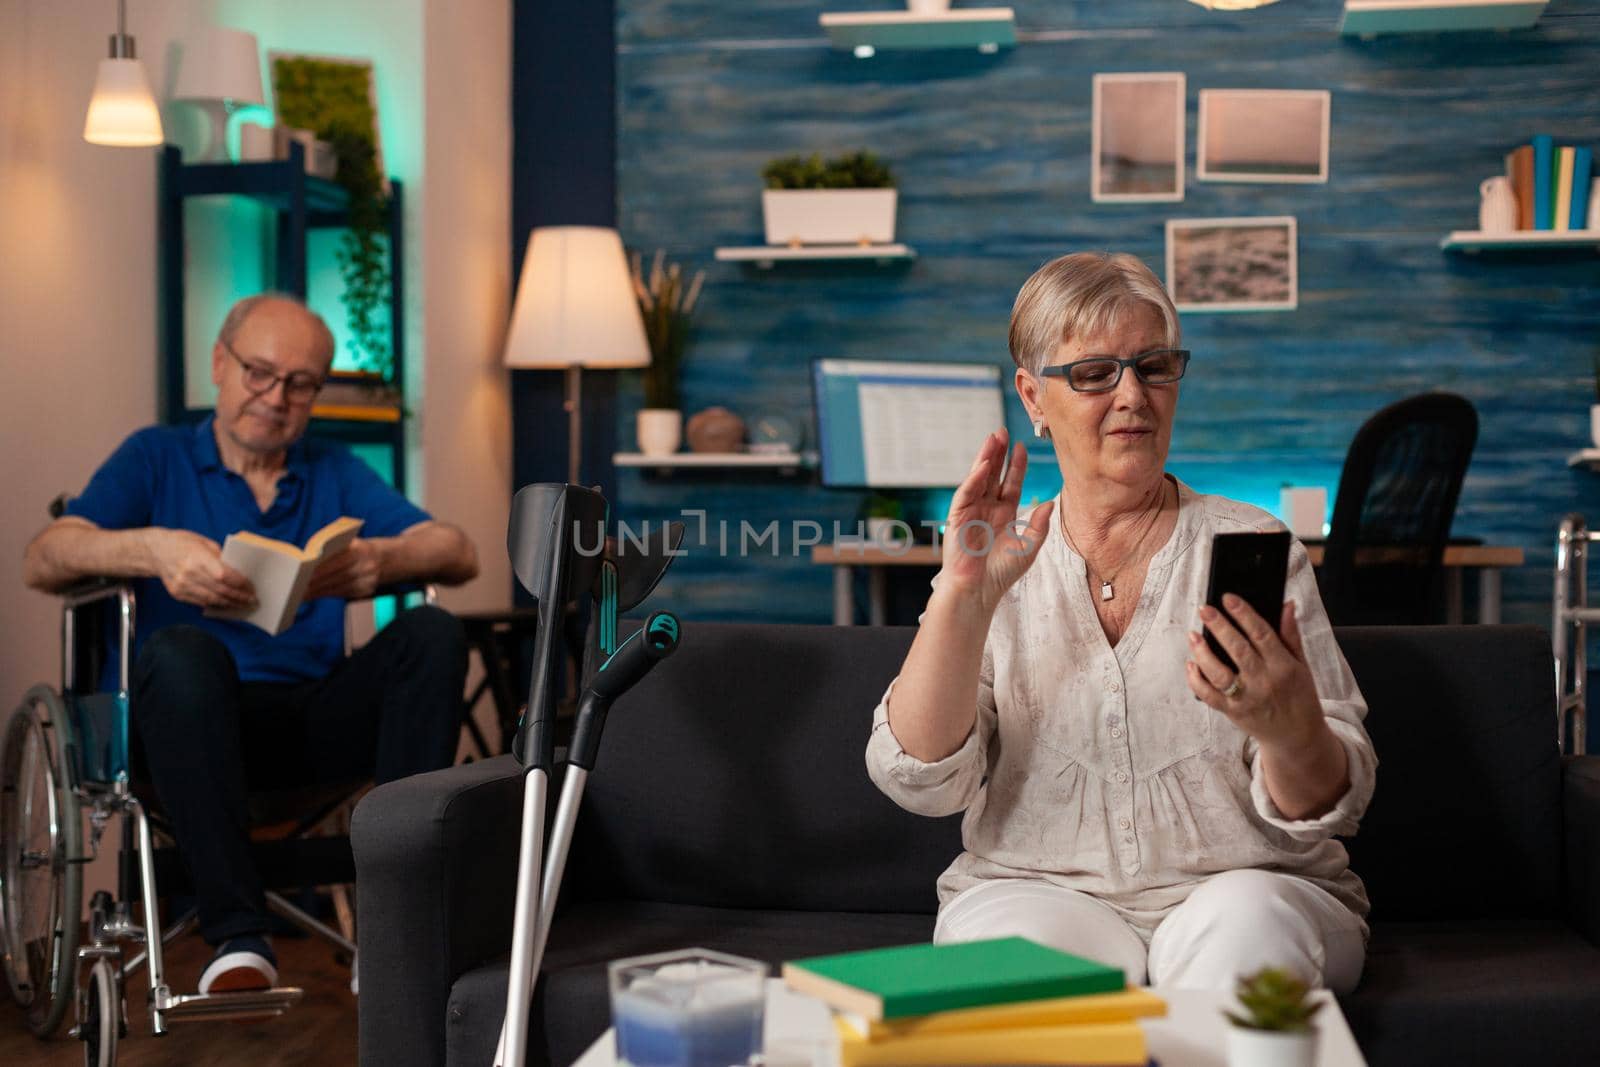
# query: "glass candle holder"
x,y
689,1008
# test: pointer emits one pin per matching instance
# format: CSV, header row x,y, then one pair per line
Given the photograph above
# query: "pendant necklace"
x,y
1107,592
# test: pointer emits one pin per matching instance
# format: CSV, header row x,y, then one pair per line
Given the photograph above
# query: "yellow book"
x,y
280,571
1563,201
1126,1006
1088,1045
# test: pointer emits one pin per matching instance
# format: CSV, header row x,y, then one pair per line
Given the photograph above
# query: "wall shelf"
x,y
1369,18
714,460
1585,457
988,29
1471,241
765,256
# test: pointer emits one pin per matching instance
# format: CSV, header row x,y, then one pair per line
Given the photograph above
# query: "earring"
x,y
1040,429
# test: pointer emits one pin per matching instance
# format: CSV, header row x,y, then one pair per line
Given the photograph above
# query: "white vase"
x,y
887,533
1594,424
829,216
1271,1048
927,7
660,431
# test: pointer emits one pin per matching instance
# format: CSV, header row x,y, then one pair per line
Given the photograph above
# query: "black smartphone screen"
x,y
1253,567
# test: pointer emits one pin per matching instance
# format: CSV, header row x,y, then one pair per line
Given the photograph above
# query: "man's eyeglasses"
x,y
1100,374
298,387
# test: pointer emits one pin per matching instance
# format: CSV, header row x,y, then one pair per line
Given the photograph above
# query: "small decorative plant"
x,y
858,170
667,303
881,506
1274,1000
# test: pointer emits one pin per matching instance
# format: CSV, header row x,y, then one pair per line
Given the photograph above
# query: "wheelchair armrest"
x,y
1580,802
436,874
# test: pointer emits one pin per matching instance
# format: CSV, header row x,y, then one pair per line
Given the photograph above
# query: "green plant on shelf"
x,y
333,99
667,303
858,170
1274,999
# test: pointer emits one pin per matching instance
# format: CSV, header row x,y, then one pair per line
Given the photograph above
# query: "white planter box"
x,y
829,216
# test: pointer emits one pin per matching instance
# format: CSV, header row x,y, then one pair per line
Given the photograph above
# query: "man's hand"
x,y
353,574
191,568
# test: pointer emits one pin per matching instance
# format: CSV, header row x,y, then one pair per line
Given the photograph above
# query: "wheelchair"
x,y
64,759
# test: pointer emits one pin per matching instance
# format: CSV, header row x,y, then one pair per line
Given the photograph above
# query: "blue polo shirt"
x,y
172,476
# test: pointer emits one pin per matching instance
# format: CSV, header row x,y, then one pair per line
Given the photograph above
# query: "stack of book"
x,y
357,395
1551,184
1004,1001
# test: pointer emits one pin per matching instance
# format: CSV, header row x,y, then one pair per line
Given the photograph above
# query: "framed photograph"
x,y
1233,264
1263,135
332,96
1137,147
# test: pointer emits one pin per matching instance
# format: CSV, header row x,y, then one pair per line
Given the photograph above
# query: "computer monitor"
x,y
889,424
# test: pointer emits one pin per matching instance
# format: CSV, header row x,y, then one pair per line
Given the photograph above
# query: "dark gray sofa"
x,y
730,808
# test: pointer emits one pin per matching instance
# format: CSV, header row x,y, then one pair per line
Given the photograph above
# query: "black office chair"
x,y
1384,560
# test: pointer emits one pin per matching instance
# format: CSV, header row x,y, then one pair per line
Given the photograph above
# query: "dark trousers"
x,y
207,740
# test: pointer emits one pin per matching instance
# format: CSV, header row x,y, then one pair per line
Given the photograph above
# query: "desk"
x,y
1193,1033
844,558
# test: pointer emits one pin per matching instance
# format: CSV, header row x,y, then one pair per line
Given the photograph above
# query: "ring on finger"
x,y
1234,688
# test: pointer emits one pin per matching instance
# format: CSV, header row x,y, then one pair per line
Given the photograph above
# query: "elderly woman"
x,y
1128,796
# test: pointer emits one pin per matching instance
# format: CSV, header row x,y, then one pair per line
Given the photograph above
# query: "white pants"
x,y
1234,923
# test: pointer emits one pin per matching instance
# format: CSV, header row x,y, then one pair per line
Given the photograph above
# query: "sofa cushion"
x,y
1466,819
572,1007
735,775
1491,991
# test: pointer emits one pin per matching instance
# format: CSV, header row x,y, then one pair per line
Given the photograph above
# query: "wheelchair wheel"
x,y
40,884
102,1017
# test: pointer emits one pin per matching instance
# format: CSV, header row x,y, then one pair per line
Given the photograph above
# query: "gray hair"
x,y
1081,295
241,311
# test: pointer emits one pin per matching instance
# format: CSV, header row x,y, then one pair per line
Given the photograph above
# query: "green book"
x,y
894,983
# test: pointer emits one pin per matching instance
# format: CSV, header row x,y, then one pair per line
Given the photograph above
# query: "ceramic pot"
x,y
1271,1048
660,431
1594,424
829,216
927,7
1497,206
888,533
715,430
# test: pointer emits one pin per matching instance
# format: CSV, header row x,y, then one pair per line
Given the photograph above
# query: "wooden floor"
x,y
320,1030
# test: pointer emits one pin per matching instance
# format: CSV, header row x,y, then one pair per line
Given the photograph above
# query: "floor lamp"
x,y
576,308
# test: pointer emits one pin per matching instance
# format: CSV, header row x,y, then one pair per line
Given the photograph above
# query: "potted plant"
x,y
667,305
847,200
1276,1030
885,521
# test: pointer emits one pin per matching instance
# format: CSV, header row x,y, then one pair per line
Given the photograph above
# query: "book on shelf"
x,y
1519,168
357,395
894,983
280,571
1562,204
1582,176
1083,1045
1543,181
1121,1007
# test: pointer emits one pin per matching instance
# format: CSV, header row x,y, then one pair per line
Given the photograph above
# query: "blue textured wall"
x,y
992,154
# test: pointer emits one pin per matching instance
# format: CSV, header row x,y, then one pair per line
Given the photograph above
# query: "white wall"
x,y
78,361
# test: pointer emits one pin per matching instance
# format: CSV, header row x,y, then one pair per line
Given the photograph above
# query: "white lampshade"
x,y
122,111
220,64
575,303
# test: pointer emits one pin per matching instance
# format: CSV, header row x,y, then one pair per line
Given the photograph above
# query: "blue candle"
x,y
665,1023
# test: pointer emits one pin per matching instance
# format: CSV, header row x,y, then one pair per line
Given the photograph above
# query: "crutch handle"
x,y
654,641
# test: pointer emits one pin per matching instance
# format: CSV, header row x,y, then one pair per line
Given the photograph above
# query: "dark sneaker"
x,y
243,963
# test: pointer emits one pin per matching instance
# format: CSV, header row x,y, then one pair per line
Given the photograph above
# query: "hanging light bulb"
x,y
122,111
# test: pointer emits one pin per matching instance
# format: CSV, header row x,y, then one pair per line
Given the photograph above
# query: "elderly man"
x,y
221,706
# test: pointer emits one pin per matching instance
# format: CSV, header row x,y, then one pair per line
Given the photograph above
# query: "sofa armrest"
x,y
1580,802
436,872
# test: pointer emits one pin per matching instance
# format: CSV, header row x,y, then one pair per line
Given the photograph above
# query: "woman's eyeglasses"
x,y
298,387
1100,374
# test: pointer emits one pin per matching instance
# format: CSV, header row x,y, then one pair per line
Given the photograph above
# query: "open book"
x,y
280,571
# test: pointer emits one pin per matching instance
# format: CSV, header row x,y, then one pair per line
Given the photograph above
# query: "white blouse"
x,y
1095,768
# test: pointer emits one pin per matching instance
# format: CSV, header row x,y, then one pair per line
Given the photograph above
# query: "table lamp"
x,y
575,308
221,72
122,112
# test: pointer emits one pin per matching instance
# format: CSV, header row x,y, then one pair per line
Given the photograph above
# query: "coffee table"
x,y
1192,1034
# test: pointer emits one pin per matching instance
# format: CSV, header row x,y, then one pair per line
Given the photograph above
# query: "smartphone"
x,y
1253,567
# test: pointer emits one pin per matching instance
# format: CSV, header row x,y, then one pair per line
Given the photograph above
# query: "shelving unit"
x,y
765,256
779,461
1585,457
988,29
1473,241
1370,18
301,203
